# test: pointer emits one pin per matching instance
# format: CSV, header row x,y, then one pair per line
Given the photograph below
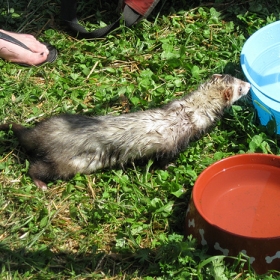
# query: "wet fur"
x,y
61,146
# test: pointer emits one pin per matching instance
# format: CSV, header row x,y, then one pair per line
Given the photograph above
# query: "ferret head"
x,y
231,88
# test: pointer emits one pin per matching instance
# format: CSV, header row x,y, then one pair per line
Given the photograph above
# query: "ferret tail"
x,y
12,126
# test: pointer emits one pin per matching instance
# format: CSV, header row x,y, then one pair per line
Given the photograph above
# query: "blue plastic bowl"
x,y
260,62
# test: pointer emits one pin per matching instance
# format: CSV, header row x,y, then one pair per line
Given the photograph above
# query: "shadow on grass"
x,y
142,262
68,263
134,262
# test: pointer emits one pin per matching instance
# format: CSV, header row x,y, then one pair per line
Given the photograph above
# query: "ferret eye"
x,y
240,89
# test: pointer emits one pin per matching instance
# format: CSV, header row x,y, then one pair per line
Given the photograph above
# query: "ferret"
x,y
63,145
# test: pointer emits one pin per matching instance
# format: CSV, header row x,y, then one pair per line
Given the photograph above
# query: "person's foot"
x,y
37,53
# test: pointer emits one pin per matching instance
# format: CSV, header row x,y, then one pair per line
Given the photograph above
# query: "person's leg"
x,y
36,54
68,10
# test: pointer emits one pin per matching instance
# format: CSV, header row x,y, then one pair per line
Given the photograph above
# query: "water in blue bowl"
x,y
260,62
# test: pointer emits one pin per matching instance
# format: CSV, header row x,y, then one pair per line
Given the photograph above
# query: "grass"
x,y
122,224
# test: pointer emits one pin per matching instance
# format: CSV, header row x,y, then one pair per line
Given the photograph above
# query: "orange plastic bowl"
x,y
235,207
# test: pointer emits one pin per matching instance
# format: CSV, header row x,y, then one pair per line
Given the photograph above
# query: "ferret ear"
x,y
227,94
216,77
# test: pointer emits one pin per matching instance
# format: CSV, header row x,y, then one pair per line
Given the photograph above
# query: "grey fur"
x,y
61,146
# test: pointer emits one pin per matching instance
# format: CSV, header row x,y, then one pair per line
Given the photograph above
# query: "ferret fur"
x,y
63,145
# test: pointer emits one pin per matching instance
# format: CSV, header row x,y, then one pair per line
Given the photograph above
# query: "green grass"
x,y
122,224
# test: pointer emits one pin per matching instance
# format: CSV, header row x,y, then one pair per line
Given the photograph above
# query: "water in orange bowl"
x,y
244,201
